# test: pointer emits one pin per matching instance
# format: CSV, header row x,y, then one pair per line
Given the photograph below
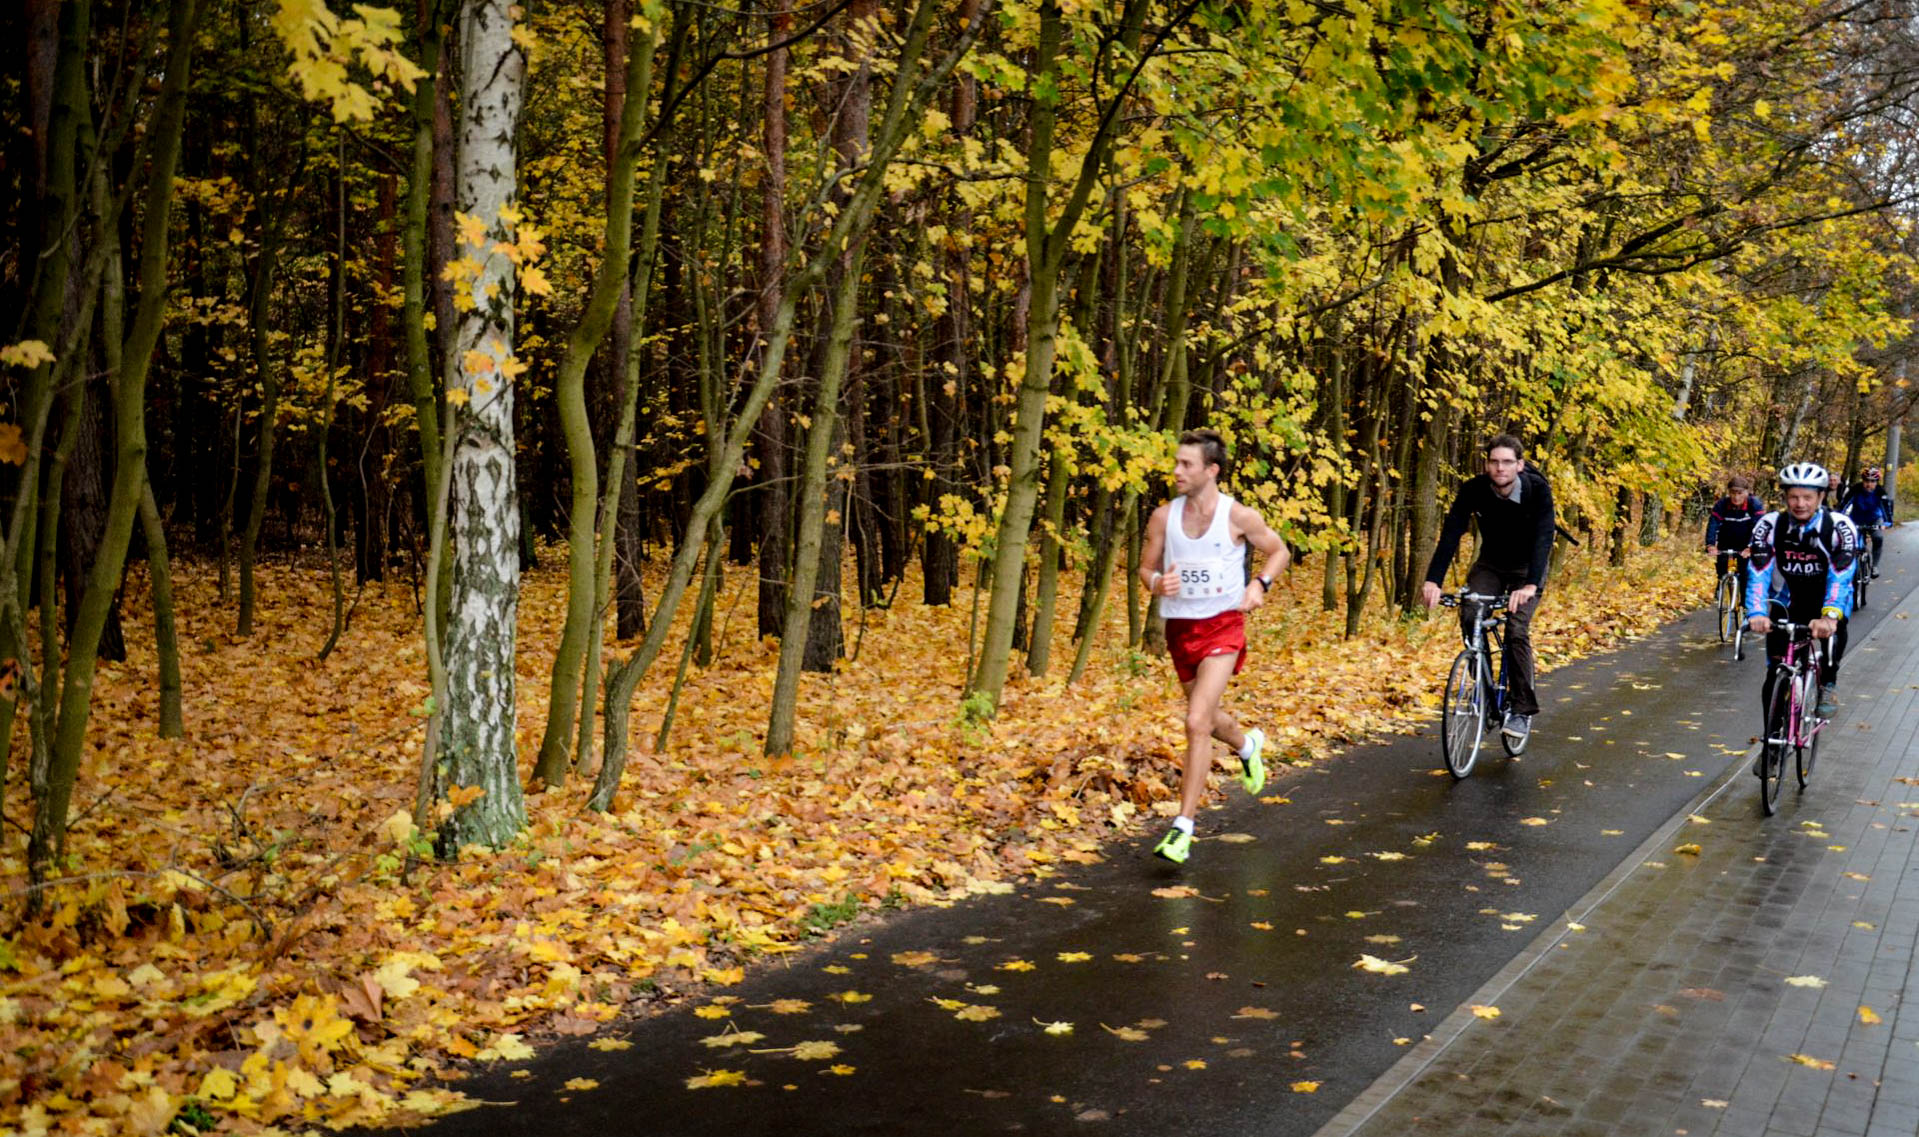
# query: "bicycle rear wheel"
x,y
1463,715
1728,607
1773,746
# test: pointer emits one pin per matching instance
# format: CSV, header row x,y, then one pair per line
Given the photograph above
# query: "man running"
x,y
1194,560
1816,552
1514,507
1870,507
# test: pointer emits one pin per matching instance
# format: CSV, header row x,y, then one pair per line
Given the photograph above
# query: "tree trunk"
x,y
47,842
1046,248
480,712
770,443
609,282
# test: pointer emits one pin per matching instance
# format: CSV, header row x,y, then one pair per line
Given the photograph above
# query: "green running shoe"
x,y
1176,846
1252,774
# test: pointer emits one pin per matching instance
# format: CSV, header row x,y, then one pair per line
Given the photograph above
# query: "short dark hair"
x,y
1506,442
1212,448
1739,482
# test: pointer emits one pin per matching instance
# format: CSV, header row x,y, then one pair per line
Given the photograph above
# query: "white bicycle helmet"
x,y
1807,475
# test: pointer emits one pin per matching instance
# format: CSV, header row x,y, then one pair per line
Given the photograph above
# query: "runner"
x,y
1514,507
1199,540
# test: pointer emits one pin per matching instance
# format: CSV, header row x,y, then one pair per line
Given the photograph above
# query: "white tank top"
x,y
1211,567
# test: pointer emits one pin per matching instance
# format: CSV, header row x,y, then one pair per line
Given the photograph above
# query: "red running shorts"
x,y
1189,641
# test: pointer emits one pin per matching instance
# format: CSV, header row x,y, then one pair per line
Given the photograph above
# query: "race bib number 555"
x,y
1203,580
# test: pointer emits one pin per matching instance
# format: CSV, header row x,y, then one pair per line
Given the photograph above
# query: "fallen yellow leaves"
x,y
1380,966
1305,1087
1074,956
715,1078
582,1084
1481,1011
1808,1060
264,859
1805,981
1868,1016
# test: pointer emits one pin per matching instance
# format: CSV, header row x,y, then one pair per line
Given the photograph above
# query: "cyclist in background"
x,y
1870,507
1803,555
1729,525
1514,508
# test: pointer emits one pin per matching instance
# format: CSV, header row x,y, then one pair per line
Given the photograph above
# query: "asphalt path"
x,y
1237,1009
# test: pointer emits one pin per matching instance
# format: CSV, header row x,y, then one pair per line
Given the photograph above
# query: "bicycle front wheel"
x,y
1805,756
1773,746
1739,642
1463,715
1806,744
1861,580
1728,607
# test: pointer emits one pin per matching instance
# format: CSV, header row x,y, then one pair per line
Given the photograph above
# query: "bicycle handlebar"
x,y
1454,600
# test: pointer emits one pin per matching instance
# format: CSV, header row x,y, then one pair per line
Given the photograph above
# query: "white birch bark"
x,y
478,741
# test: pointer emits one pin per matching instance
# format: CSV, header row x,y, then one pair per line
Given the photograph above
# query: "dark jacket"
x,y
1729,527
1514,536
1869,509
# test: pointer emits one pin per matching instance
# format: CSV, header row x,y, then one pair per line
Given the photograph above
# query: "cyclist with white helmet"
x,y
1804,556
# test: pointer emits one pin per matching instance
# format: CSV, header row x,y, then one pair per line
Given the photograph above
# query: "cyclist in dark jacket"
x,y
1870,507
1729,525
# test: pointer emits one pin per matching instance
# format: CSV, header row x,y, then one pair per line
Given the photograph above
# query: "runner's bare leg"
x,y
1206,720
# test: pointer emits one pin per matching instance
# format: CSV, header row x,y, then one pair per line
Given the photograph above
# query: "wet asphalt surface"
x,y
1235,994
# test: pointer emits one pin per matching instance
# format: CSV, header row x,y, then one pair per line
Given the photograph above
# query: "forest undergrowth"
x,y
248,938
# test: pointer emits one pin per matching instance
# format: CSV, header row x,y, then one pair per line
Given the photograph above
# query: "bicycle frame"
x,y
1484,641
1801,726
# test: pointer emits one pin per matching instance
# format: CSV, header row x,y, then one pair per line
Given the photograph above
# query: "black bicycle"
x,y
1732,608
1862,572
1477,692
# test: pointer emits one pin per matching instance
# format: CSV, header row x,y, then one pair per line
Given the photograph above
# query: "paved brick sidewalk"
x,y
1670,1012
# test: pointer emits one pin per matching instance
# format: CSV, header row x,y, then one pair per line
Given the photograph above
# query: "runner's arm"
x,y
1152,550
1260,536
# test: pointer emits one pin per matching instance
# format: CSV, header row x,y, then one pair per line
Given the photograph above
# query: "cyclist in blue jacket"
x,y
1870,507
1804,556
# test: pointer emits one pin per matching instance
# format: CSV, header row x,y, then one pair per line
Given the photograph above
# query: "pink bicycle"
x,y
1793,719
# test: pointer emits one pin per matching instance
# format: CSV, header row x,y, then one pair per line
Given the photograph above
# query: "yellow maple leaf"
x,y
816,1051
610,1044
714,1078
1074,956
1380,966
582,1084
1481,1011
1305,1087
13,447
1869,1016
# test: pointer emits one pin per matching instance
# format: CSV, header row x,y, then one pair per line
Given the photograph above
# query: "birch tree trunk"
x,y
479,736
